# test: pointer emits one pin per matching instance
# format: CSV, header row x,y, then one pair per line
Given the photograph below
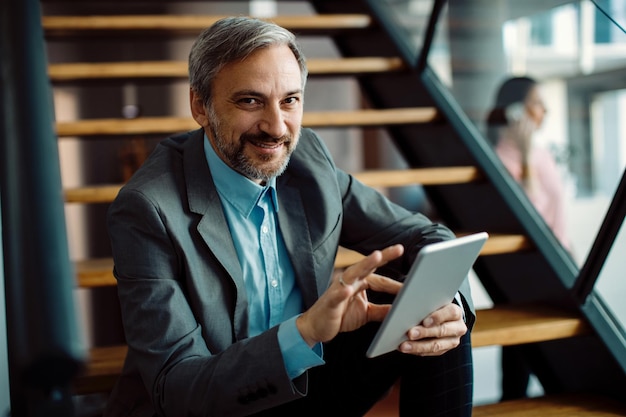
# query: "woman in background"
x,y
517,114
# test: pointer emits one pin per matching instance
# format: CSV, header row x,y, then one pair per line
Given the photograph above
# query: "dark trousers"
x,y
349,384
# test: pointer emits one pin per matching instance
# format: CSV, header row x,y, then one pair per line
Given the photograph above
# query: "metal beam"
x,y
44,348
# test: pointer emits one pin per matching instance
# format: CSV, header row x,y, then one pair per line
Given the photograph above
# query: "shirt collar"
x,y
237,189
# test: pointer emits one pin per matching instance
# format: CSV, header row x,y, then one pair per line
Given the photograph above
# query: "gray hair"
x,y
233,39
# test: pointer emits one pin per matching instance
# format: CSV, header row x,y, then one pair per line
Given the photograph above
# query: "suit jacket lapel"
x,y
297,239
204,200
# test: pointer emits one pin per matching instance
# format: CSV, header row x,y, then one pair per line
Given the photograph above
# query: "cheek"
x,y
537,114
294,123
233,128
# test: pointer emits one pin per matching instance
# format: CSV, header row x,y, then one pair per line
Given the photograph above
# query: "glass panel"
x,y
576,52
412,16
569,129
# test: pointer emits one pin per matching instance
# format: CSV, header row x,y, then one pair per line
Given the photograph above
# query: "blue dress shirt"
x,y
274,299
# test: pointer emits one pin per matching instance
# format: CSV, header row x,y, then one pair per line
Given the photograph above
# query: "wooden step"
x,y
179,69
91,273
192,24
540,323
497,244
564,405
572,404
375,178
422,176
526,323
167,125
93,194
102,370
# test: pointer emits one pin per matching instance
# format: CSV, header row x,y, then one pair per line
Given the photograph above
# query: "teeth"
x,y
266,145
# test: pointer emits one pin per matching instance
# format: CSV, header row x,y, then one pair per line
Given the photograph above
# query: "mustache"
x,y
264,137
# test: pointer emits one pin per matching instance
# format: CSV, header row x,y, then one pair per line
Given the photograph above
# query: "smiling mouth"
x,y
267,145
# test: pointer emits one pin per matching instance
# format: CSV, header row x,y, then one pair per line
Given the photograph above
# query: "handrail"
x,y
44,348
430,35
602,244
595,308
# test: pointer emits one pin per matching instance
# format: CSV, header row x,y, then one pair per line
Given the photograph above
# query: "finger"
x,y
449,312
455,328
391,252
377,312
361,269
430,347
383,284
369,264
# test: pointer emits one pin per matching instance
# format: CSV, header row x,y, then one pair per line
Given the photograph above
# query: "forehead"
x,y
269,70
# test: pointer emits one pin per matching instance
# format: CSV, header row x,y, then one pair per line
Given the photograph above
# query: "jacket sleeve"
x,y
371,221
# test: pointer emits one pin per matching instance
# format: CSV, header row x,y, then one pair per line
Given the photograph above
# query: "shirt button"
x,y
274,283
264,229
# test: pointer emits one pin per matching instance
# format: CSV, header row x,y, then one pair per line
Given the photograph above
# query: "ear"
x,y
514,112
198,109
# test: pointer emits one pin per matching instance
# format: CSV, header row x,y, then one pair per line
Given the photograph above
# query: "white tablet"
x,y
433,281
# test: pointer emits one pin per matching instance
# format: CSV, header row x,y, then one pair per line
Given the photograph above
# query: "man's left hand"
x,y
438,333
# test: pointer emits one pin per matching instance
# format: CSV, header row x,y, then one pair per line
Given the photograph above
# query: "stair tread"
x,y
97,272
60,25
496,244
376,178
575,404
525,323
179,69
106,362
422,176
561,405
168,124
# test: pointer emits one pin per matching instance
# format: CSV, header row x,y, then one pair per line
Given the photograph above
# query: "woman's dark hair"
x,y
513,90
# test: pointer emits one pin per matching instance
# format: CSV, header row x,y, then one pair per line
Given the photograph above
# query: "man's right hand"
x,y
344,305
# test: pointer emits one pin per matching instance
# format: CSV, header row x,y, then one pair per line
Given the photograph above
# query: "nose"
x,y
273,122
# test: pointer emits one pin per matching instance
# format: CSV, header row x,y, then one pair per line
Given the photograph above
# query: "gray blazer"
x,y
181,289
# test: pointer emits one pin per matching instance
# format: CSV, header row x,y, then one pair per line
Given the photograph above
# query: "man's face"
x,y
255,115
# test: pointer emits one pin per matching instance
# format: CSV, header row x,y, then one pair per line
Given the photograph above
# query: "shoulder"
x,y
164,166
312,165
543,159
311,152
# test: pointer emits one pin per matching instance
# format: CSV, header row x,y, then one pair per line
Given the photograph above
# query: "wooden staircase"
x,y
504,324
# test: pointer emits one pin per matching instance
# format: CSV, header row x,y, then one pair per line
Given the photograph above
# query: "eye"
x,y
248,101
291,100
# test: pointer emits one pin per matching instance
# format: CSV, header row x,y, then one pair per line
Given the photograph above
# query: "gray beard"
x,y
236,158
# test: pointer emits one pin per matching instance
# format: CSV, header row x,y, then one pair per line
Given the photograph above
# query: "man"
x,y
224,245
